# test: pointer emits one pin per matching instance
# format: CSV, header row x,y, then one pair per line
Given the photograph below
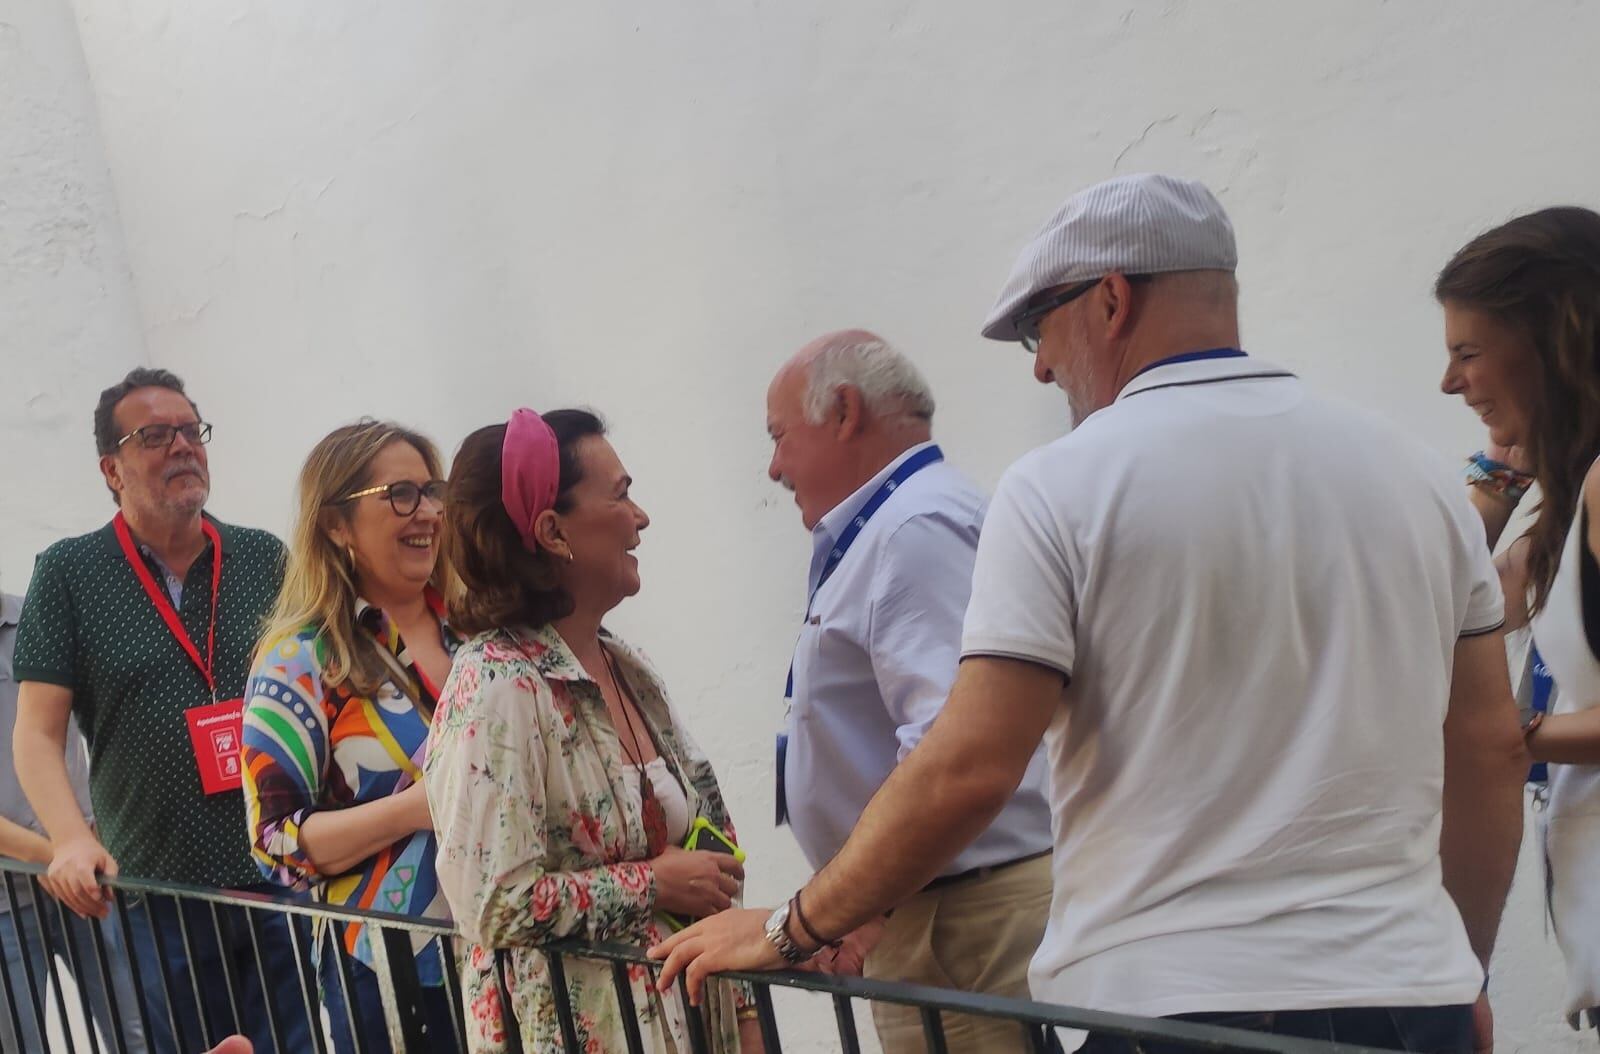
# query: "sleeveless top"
x,y
1566,631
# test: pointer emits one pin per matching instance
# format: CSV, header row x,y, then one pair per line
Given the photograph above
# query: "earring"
x,y
569,556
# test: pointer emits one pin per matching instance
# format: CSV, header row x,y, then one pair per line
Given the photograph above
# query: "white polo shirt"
x,y
1256,594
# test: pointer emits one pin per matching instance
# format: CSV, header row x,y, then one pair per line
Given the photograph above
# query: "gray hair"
x,y
888,381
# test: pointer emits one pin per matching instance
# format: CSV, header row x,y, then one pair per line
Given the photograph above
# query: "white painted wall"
x,y
68,324
438,212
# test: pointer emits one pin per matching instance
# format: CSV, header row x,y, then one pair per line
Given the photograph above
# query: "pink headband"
x,y
530,471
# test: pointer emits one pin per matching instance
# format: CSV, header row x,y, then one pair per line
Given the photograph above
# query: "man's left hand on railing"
x,y
729,940
74,876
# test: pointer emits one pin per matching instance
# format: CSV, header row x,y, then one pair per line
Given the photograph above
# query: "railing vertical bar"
x,y
404,987
625,1006
269,991
79,978
558,988
118,1041
698,1043
48,945
174,1018
201,1010
770,1040
228,980
933,1031
308,986
446,949
510,1020
5,967
844,1012
353,1017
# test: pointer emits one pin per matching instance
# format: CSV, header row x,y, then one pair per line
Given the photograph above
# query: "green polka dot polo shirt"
x,y
88,625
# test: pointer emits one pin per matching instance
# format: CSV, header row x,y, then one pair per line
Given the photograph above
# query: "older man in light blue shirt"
x,y
894,532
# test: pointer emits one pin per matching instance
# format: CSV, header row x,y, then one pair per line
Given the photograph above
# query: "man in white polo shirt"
x,y
894,531
1260,634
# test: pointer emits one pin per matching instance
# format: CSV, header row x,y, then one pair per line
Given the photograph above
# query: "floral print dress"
x,y
542,836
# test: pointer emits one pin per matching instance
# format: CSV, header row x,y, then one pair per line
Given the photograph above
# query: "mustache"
x,y
187,465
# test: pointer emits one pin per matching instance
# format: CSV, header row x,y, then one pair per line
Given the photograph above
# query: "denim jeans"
x,y
1420,1029
34,1006
224,970
370,1021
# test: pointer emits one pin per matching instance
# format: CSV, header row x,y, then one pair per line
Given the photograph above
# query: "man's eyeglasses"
x,y
404,496
1028,321
160,437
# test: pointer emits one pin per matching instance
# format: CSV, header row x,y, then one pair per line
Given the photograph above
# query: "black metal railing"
x,y
88,952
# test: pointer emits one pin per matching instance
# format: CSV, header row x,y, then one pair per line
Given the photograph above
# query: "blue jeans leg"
x,y
125,1019
371,1022
276,988
88,978
29,1002
219,963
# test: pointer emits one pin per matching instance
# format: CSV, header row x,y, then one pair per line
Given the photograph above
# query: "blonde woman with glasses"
x,y
338,708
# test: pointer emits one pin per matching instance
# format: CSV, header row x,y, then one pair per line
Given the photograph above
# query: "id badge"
x,y
214,732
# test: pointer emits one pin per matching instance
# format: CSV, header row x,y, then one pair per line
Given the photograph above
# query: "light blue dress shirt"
x,y
876,659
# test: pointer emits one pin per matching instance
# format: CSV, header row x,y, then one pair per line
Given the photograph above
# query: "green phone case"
x,y
705,835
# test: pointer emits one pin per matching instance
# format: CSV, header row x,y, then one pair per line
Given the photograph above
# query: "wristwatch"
x,y
778,936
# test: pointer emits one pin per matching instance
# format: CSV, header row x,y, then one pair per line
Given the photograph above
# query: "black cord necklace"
x,y
652,811
622,704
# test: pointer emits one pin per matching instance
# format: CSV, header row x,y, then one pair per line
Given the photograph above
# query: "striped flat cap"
x,y
1138,224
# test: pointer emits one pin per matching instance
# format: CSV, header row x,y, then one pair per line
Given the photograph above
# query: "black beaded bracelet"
x,y
800,917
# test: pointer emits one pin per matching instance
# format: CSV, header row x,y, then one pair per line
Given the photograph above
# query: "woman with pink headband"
x,y
562,781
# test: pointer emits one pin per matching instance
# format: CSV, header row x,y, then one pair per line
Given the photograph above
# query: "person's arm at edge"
x,y
1573,738
1485,765
39,746
19,843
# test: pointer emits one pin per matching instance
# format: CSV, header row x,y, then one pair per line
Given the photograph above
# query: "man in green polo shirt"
x,y
143,630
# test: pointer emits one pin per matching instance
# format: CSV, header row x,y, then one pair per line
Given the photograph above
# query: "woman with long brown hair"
x,y
1522,325
338,707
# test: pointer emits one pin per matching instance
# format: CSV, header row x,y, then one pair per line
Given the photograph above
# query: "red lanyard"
x,y
163,602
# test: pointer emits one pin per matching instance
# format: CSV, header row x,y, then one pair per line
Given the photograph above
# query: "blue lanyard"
x,y
908,468
1193,356
1543,686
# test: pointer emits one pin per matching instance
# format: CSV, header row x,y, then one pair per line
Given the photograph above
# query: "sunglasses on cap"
x,y
1027,322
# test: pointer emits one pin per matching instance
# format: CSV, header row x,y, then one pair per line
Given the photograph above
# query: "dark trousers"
x,y
1420,1029
42,944
219,959
370,1022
